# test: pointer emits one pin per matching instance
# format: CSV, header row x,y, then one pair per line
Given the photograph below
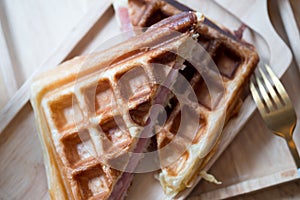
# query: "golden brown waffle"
x,y
235,59
91,109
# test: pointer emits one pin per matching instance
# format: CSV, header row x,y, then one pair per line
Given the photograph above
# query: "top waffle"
x,y
235,60
91,109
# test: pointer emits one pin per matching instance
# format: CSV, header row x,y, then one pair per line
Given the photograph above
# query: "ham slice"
x,y
120,190
122,15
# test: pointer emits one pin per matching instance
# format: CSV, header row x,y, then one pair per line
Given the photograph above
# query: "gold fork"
x,y
275,107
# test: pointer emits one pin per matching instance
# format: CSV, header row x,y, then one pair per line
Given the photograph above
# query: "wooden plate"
x,y
21,164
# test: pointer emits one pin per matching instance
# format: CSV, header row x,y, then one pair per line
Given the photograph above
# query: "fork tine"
x,y
270,88
283,119
278,85
264,94
257,99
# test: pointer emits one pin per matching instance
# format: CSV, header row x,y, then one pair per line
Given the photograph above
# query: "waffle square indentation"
x,y
65,112
100,97
208,94
134,84
227,61
140,113
78,147
116,132
93,183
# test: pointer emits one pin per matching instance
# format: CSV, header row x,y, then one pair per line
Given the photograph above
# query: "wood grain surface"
x,y
254,152
22,95
6,67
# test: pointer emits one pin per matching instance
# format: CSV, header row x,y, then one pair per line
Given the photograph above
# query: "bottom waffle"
x,y
214,103
91,110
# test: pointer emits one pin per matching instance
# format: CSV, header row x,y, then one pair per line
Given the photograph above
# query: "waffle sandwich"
x,y
91,110
235,60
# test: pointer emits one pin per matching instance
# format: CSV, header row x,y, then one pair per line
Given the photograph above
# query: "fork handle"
x,y
294,152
